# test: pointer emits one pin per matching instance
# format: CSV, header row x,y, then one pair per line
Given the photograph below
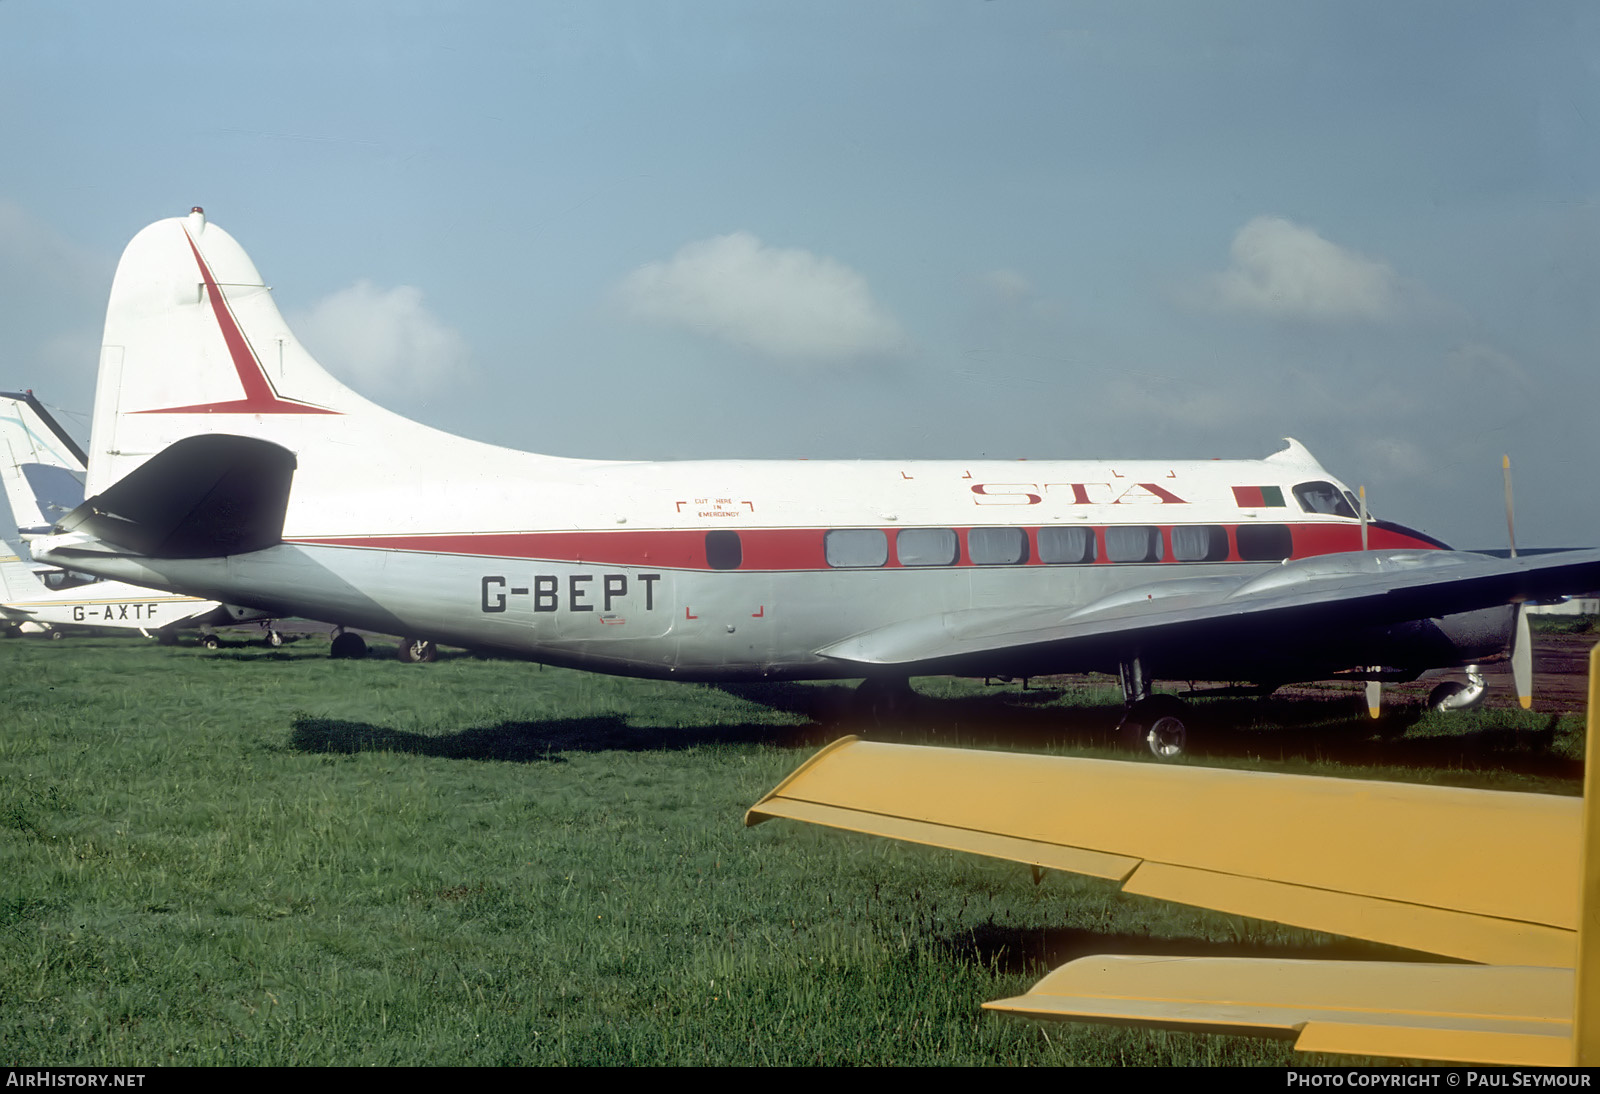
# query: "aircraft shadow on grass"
x,y
1312,728
536,742
1277,729
1025,950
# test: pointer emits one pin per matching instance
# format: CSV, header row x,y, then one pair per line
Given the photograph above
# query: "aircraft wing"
x,y
1351,857
1190,617
1457,1013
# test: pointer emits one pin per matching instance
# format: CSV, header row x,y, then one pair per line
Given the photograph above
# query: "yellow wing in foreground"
x,y
1459,1013
1508,879
1481,875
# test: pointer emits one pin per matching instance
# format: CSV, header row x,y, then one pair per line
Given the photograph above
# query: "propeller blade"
x,y
1522,659
1374,687
1511,523
1522,644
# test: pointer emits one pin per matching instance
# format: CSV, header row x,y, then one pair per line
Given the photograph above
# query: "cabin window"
x,y
1066,545
998,546
1264,542
723,550
1323,497
1199,543
1133,543
855,547
67,579
926,546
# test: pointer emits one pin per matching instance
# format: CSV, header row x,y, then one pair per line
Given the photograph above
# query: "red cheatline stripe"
x,y
762,549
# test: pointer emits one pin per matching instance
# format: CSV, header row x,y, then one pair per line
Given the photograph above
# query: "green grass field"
x,y
255,856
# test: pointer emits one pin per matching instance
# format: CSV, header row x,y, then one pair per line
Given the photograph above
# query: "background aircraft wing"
x,y
1200,618
1351,857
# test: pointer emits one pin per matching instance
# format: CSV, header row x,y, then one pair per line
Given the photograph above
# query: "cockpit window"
x,y
1323,497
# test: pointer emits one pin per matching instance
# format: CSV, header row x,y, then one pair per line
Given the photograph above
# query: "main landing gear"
x,y
883,700
347,646
1153,724
1455,695
415,651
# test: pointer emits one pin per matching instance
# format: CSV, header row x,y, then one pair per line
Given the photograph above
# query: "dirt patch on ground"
x,y
1560,678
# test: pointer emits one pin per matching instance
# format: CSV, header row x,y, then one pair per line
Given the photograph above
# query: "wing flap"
x,y
1412,926
1459,1013
1368,859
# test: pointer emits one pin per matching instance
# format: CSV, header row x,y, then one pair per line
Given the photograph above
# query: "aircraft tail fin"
x,y
195,344
41,466
202,497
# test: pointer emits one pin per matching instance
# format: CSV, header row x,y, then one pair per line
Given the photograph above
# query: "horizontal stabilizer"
x,y
1457,1013
1374,860
201,497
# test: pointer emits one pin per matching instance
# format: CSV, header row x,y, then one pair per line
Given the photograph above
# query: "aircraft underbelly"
x,y
629,619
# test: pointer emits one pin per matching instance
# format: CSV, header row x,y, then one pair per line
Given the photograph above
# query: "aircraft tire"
x,y
415,651
1157,726
274,639
347,646
211,642
56,636
1440,697
883,700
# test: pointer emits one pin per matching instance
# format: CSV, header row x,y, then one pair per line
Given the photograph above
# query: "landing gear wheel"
x,y
884,699
347,646
211,642
1454,695
1157,725
274,639
56,636
414,651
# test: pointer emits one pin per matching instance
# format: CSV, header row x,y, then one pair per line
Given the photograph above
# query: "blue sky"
x,y
930,229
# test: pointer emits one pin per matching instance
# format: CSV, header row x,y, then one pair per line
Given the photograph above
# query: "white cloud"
x,y
1006,285
1284,269
788,304
383,339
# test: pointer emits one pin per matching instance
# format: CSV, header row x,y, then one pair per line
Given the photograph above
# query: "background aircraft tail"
x,y
41,466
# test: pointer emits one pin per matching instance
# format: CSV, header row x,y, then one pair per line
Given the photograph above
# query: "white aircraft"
x,y
225,462
32,607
